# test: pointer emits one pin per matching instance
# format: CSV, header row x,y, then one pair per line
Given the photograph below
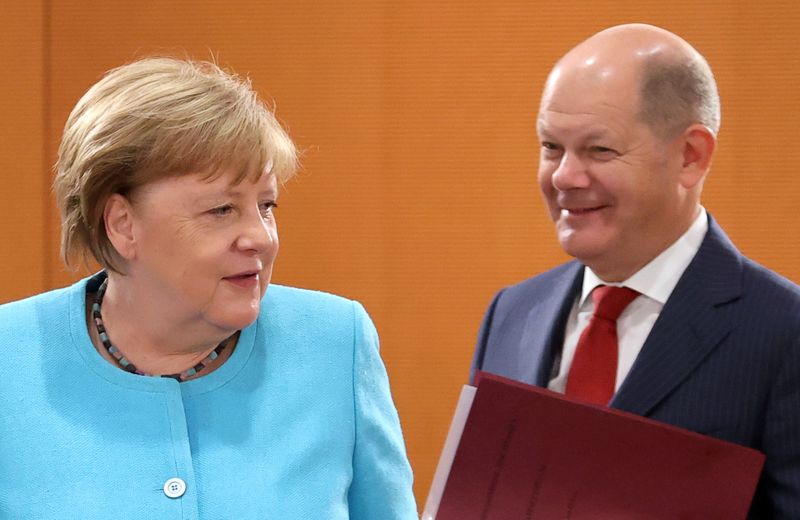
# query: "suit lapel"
x,y
543,334
695,319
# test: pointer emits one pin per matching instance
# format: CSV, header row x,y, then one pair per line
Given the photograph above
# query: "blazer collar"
x,y
544,326
692,323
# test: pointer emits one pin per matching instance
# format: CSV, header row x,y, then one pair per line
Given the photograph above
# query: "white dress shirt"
x,y
655,282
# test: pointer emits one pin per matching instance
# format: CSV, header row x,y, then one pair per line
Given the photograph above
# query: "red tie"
x,y
593,373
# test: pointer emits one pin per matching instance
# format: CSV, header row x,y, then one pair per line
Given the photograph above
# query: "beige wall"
x,y
417,122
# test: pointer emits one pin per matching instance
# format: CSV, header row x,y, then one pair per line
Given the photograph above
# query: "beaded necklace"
x,y
130,367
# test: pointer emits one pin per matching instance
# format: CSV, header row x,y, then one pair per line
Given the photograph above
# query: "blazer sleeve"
x,y
781,441
483,338
382,479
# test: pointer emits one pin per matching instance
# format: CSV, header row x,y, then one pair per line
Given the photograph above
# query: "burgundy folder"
x,y
528,453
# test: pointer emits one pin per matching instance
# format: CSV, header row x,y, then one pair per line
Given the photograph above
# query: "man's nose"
x,y
571,173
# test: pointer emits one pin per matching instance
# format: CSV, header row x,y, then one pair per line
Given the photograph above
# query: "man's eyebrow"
x,y
542,131
600,133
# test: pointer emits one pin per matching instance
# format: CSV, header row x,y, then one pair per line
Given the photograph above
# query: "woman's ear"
x,y
699,143
118,218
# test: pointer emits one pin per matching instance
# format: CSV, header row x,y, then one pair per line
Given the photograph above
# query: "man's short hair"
x,y
678,93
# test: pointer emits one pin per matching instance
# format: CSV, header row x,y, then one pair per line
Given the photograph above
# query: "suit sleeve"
x,y
483,339
382,479
781,442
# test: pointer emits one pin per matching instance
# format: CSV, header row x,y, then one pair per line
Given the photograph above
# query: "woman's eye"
x,y
221,211
267,207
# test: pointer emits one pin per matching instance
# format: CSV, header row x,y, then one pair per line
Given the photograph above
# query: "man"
x,y
706,339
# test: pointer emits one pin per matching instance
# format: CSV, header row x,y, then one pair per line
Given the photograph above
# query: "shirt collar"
x,y
657,279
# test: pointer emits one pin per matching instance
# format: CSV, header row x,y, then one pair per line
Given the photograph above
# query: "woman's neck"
x,y
150,338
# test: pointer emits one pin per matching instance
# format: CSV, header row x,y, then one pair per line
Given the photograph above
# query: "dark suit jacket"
x,y
723,358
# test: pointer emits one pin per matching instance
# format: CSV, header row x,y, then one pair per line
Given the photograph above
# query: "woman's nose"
x,y
258,233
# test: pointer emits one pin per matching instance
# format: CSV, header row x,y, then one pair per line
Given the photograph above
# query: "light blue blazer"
x,y
297,424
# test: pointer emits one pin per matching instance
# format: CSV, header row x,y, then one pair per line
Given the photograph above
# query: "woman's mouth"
x,y
244,280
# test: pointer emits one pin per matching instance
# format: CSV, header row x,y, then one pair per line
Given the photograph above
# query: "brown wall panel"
x,y
23,187
417,124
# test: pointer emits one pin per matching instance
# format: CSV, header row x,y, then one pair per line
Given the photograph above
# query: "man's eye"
x,y
603,152
550,150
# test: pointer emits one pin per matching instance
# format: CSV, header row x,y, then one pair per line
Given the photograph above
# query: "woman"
x,y
169,385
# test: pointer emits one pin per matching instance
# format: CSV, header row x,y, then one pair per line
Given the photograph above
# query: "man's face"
x,y
611,186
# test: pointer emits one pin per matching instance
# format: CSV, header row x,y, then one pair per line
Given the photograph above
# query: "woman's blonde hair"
x,y
155,118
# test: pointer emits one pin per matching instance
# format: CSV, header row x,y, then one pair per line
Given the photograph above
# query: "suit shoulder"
x,y
770,292
541,282
758,274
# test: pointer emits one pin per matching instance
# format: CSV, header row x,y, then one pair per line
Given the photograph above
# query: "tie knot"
x,y
609,302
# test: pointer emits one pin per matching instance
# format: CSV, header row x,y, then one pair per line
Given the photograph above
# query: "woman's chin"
x,y
233,321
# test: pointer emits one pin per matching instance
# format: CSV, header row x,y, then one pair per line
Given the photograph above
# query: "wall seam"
x,y
47,216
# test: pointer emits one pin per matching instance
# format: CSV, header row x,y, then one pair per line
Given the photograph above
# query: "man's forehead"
x,y
576,102
577,125
588,108
592,84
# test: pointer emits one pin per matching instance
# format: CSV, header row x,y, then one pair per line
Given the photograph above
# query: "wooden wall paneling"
x,y
23,167
417,122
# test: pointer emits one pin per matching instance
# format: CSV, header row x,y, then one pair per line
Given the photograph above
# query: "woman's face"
x,y
205,249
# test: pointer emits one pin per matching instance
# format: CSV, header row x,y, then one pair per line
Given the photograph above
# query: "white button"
x,y
174,488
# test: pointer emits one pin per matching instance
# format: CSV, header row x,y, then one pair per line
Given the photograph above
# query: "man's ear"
x,y
699,143
118,218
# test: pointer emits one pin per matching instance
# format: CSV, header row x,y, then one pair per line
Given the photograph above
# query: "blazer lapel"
x,y
695,319
543,334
